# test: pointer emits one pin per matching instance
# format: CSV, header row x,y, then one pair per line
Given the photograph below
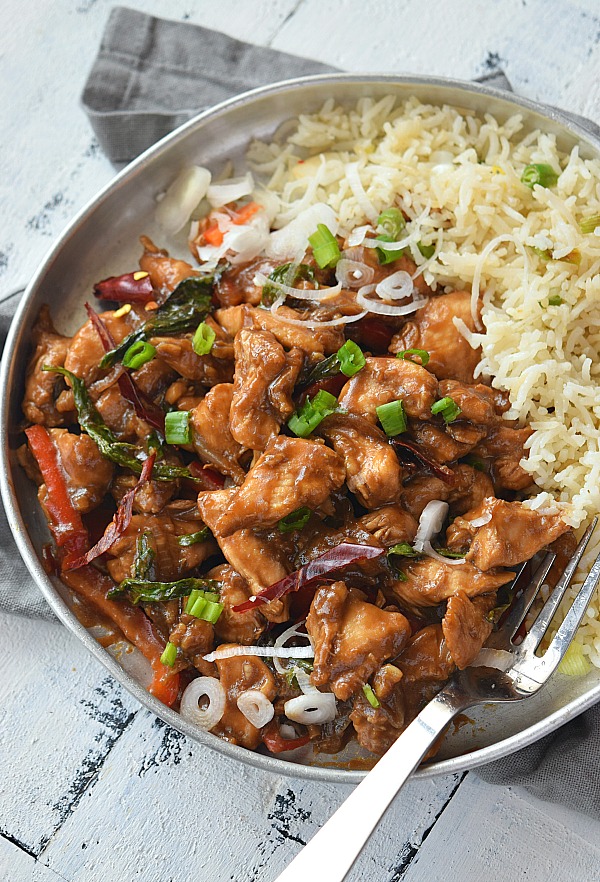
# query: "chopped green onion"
x,y
351,358
198,606
294,521
193,538
194,595
539,173
203,339
391,223
421,353
325,247
211,596
370,696
392,418
555,300
404,549
177,427
169,655
312,412
426,250
388,255
589,224
448,408
542,253
138,354
211,612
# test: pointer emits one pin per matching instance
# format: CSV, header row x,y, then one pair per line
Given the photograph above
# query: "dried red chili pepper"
x,y
129,288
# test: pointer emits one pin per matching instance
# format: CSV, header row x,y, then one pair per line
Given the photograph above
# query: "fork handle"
x,y
333,850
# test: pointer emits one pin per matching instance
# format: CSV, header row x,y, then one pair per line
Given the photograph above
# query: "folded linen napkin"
x,y
150,76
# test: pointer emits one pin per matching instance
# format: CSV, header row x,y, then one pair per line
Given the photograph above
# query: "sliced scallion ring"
x,y
177,427
203,339
392,418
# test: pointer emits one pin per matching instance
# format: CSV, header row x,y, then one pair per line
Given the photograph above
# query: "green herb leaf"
x,y
145,591
326,250
287,274
445,552
539,173
294,521
447,408
144,556
404,549
187,306
392,418
420,353
120,452
193,538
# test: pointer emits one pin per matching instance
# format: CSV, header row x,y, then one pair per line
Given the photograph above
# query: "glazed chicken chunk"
x,y
390,379
291,473
429,582
352,638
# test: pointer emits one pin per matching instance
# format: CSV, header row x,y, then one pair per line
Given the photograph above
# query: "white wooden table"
x,y
91,786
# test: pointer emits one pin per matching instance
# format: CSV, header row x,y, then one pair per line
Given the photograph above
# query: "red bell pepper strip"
x,y
66,523
276,743
144,407
120,521
136,627
128,288
324,566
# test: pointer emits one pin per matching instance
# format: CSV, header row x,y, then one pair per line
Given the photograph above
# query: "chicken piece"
x,y
237,284
153,378
151,497
477,403
432,329
512,534
120,416
419,491
429,581
378,727
42,387
195,638
236,627
86,350
264,381
466,627
388,379
426,664
505,447
237,675
312,341
165,272
390,525
352,638
437,444
261,562
468,489
88,473
211,437
172,560
373,472
179,354
291,473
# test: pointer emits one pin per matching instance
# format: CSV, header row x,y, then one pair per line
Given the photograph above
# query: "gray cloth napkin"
x,y
150,76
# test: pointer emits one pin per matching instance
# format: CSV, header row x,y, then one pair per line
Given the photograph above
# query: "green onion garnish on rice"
x,y
539,173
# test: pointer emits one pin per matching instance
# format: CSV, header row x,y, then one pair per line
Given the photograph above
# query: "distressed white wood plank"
x,y
17,866
541,46
50,48
179,811
492,833
60,714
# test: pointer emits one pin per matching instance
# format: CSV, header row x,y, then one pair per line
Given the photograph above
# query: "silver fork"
x,y
331,853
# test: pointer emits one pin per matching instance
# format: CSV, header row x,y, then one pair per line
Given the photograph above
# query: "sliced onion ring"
x,y
299,293
315,708
398,286
223,192
264,651
353,273
430,522
256,707
482,521
205,717
183,195
315,323
379,308
283,638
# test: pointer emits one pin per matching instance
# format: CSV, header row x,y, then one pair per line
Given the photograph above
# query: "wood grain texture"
x,y
91,787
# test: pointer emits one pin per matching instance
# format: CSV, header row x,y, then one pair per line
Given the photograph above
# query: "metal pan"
x,y
103,240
